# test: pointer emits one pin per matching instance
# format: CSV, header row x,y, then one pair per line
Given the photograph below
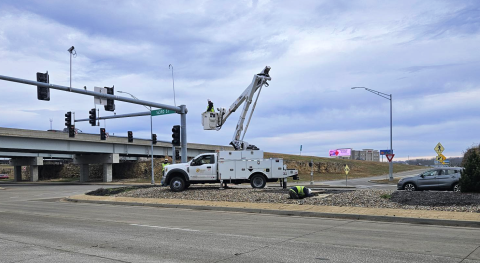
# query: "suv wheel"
x,y
456,188
409,187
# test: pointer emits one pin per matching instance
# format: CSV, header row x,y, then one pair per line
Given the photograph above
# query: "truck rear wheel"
x,y
258,181
177,184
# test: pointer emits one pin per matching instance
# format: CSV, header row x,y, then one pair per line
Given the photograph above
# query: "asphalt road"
x,y
36,227
364,183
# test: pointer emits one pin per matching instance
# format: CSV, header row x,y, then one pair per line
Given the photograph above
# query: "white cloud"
x,y
317,51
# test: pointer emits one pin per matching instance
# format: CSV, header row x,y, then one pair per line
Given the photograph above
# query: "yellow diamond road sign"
x,y
439,148
441,158
347,169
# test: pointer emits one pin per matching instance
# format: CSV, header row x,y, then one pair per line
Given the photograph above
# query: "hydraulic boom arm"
x,y
259,80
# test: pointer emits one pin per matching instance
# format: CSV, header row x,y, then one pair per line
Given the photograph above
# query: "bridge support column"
x,y
33,162
107,172
17,173
34,173
107,160
84,172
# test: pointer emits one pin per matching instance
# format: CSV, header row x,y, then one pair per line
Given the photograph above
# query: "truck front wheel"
x,y
258,181
177,184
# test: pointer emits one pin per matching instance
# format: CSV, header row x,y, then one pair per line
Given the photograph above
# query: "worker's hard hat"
x,y
208,100
166,160
308,192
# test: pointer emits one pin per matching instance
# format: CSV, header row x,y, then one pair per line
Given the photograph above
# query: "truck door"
x,y
203,168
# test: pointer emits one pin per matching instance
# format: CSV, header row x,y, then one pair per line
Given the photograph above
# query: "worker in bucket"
x,y
210,106
299,192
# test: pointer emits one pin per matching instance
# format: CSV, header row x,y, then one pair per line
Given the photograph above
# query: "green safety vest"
x,y
163,166
300,190
212,109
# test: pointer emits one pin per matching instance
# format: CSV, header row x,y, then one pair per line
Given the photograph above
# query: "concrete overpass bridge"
x,y
31,147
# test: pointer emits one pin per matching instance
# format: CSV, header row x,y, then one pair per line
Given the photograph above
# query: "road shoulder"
x,y
428,217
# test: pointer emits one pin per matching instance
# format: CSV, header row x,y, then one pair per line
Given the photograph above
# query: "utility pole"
x,y
173,83
151,132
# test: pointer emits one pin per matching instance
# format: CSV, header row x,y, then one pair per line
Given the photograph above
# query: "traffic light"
x,y
176,135
110,103
68,119
130,136
103,134
310,164
42,92
71,131
154,138
177,155
92,117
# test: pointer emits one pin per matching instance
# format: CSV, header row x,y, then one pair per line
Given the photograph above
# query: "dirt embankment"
x,y
323,169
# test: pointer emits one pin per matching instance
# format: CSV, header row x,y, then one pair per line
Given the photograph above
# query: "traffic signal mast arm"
x,y
96,94
259,80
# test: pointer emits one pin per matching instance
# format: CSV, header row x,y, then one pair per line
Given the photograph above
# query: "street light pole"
x,y
151,132
388,97
72,52
391,147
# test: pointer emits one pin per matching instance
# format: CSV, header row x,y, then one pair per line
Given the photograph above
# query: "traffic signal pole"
x,y
183,132
182,109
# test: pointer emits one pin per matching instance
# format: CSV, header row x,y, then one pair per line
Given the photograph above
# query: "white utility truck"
x,y
242,165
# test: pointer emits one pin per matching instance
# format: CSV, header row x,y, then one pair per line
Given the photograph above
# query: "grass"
x,y
358,169
6,180
386,196
386,181
114,191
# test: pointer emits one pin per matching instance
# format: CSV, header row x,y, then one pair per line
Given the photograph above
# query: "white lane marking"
x,y
170,228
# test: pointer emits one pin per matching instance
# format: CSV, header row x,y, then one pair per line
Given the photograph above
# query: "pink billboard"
x,y
340,152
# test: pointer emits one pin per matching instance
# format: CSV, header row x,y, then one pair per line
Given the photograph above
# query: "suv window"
x,y
445,172
430,173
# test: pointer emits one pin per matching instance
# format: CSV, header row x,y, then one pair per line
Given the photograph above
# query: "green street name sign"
x,y
161,112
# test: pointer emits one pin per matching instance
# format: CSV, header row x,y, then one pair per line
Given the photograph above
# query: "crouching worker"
x,y
299,192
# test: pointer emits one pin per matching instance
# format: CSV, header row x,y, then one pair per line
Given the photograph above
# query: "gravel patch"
x,y
426,200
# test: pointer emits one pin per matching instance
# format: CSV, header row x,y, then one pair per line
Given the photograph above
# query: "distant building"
x,y
366,155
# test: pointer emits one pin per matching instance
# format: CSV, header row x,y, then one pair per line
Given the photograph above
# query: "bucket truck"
x,y
245,164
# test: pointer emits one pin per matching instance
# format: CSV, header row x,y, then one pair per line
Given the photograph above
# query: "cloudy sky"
x,y
424,53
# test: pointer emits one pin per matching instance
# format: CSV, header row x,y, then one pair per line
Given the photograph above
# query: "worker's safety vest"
x,y
300,190
211,110
163,166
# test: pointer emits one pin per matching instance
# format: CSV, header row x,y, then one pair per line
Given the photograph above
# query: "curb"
x,y
421,221
317,186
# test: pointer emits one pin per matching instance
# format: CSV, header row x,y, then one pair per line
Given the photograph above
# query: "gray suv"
x,y
444,178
